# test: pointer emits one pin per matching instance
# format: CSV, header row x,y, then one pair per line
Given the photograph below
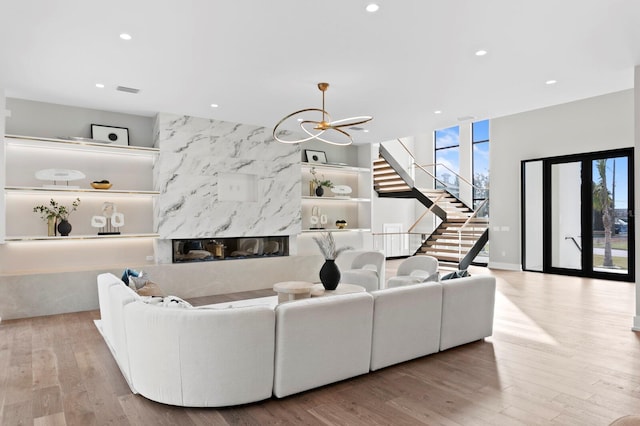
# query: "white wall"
x,y
600,123
636,98
31,118
3,172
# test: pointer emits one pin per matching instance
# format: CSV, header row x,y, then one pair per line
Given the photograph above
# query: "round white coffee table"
x,y
292,290
318,290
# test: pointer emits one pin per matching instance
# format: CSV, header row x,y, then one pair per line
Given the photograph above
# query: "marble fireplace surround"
x,y
219,179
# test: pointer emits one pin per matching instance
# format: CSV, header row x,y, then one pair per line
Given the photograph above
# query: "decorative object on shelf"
x,y
51,227
101,184
329,273
110,134
315,129
60,175
341,191
57,212
110,221
341,223
315,218
317,157
64,227
319,183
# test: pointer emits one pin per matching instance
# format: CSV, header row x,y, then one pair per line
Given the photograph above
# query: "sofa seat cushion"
x,y
270,301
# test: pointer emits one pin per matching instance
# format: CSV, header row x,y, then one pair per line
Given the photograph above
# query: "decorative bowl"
x,y
99,185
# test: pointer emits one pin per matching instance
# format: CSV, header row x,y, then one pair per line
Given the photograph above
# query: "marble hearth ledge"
x,y
32,295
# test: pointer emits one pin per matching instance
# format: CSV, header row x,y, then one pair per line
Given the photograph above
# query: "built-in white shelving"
x,y
128,168
354,208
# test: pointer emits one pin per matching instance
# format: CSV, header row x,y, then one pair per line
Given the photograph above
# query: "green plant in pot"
x,y
319,183
56,213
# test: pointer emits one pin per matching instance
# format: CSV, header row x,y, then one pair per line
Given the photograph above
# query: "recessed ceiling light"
x,y
372,7
125,36
481,52
300,119
214,105
437,112
100,85
366,130
550,82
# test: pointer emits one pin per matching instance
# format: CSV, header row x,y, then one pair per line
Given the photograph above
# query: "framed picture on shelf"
x,y
318,157
110,134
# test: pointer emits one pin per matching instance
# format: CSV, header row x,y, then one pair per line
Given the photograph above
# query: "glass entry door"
x,y
566,215
577,215
610,220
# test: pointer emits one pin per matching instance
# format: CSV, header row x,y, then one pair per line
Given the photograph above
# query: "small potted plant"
x,y
316,184
329,273
54,212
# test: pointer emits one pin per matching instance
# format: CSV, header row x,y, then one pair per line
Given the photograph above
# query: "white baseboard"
x,y
505,266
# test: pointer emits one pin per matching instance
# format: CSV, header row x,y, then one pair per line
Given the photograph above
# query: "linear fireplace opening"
x,y
212,249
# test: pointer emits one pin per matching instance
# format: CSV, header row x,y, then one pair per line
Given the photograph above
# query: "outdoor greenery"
x,y
618,262
603,203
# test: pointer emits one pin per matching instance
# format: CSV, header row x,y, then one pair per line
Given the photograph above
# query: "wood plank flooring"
x,y
562,353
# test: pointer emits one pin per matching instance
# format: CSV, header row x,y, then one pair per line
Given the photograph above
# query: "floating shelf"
x,y
337,199
51,143
337,167
37,189
79,237
307,231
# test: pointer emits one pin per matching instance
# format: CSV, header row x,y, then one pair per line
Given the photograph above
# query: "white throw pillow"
x,y
167,302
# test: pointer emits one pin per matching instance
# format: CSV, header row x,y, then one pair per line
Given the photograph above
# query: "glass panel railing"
x,y
398,244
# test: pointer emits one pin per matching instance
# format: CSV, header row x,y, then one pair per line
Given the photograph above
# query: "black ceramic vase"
x,y
330,274
319,191
64,227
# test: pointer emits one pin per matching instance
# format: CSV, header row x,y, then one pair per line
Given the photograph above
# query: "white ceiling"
x,y
260,60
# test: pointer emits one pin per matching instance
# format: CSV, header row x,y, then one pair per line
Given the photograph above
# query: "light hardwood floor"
x,y
562,353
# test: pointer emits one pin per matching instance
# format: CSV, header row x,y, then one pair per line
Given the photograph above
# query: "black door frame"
x,y
586,214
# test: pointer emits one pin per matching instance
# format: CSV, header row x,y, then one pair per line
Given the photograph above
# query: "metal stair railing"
x,y
466,224
432,205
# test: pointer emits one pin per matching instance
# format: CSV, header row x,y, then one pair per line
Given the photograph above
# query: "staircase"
x,y
460,235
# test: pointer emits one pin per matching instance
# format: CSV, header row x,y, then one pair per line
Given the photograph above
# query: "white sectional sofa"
x,y
240,352
189,357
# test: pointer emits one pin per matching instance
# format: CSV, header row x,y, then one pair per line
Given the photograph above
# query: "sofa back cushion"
x,y
322,340
406,323
467,310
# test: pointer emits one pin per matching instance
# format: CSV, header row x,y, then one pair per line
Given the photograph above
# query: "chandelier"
x,y
317,129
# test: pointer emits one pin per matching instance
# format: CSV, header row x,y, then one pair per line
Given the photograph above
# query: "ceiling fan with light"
x,y
315,129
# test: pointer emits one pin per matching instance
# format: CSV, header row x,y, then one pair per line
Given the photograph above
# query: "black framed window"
x,y
447,158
